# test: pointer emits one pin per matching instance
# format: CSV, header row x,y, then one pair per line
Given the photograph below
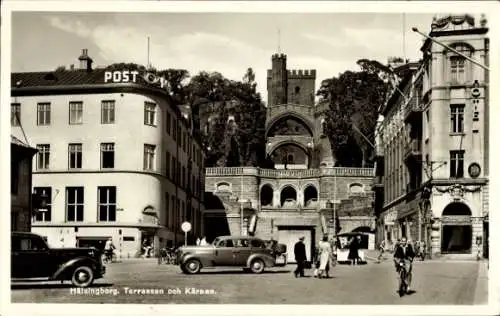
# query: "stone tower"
x,y
277,81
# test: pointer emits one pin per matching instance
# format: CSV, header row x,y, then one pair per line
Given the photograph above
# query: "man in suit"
x,y
404,252
300,257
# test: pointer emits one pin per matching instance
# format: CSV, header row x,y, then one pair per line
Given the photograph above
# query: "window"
x,y
108,112
457,118
174,214
457,163
184,143
74,204
15,114
107,155
44,215
457,65
43,156
76,113
183,211
75,156
183,177
43,114
174,163
178,174
14,176
107,204
179,135
168,123
167,164
149,157
149,113
174,129
167,211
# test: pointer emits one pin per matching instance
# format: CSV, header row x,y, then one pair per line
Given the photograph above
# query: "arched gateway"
x,y
456,229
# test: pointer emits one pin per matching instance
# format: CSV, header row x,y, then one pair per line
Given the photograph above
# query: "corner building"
x,y
116,160
304,192
434,164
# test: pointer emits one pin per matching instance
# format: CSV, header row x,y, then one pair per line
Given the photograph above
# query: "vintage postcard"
x,y
302,157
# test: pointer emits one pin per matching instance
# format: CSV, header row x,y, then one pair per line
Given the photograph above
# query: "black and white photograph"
x,y
166,155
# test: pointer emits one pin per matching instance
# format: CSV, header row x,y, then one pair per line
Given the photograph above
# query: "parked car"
x,y
229,251
33,260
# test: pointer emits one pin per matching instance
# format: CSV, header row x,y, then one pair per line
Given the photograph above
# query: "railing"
x,y
299,173
412,106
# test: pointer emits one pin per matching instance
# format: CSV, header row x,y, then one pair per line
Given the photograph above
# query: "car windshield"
x,y
216,241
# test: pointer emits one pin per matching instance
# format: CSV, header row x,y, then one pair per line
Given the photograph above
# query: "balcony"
x,y
413,110
377,183
413,151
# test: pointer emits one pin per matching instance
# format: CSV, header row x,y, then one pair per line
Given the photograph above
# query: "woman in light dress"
x,y
325,253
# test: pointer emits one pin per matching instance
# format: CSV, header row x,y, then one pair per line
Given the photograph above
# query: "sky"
x,y
228,43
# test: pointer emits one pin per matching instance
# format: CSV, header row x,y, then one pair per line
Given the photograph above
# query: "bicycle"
x,y
109,257
168,256
403,278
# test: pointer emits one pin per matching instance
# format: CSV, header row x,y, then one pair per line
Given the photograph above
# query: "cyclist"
x,y
108,249
404,252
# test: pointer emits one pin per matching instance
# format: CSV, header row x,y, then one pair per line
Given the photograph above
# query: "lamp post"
x,y
414,29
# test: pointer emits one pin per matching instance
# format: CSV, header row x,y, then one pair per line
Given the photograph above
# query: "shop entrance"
x,y
456,235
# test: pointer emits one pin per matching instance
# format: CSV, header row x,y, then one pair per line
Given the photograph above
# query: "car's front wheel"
x,y
82,276
257,266
192,266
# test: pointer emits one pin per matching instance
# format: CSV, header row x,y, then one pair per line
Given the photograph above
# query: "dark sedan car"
x,y
229,251
32,259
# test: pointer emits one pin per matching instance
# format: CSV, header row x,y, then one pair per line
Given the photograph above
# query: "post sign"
x,y
186,227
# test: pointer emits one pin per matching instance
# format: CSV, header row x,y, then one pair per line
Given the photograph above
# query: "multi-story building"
x,y
435,144
304,194
116,160
20,181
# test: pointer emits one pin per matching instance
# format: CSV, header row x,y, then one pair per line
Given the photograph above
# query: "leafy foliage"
x,y
354,99
237,143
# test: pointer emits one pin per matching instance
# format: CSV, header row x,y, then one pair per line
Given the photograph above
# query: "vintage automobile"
x,y
228,251
33,260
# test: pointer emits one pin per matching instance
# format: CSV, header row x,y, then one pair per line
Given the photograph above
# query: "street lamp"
x,y
414,29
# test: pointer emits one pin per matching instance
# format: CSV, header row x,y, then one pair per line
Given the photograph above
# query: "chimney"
x,y
72,67
85,61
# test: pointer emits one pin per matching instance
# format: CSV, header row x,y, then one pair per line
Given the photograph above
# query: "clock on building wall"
x,y
474,170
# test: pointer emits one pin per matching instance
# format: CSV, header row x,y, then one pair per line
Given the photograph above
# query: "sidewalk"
x,y
481,292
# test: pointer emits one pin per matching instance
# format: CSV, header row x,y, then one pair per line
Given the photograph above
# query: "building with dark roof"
x,y
116,157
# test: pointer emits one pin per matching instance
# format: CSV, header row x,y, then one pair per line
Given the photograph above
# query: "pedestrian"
x,y
354,251
325,253
198,241
203,241
381,249
300,257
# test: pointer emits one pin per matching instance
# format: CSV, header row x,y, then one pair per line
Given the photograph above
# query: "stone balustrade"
x,y
290,174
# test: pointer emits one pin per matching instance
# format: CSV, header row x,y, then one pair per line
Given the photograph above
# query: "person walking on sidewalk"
x,y
300,257
325,254
381,249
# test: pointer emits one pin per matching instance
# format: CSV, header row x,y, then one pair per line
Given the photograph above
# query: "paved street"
x,y
434,283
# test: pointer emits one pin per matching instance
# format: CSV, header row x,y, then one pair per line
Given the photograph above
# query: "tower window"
x,y
297,89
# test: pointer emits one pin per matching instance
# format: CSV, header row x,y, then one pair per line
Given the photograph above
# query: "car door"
x,y
35,256
242,251
17,265
224,255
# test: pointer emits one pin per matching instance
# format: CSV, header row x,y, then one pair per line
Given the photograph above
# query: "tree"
x,y
354,99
